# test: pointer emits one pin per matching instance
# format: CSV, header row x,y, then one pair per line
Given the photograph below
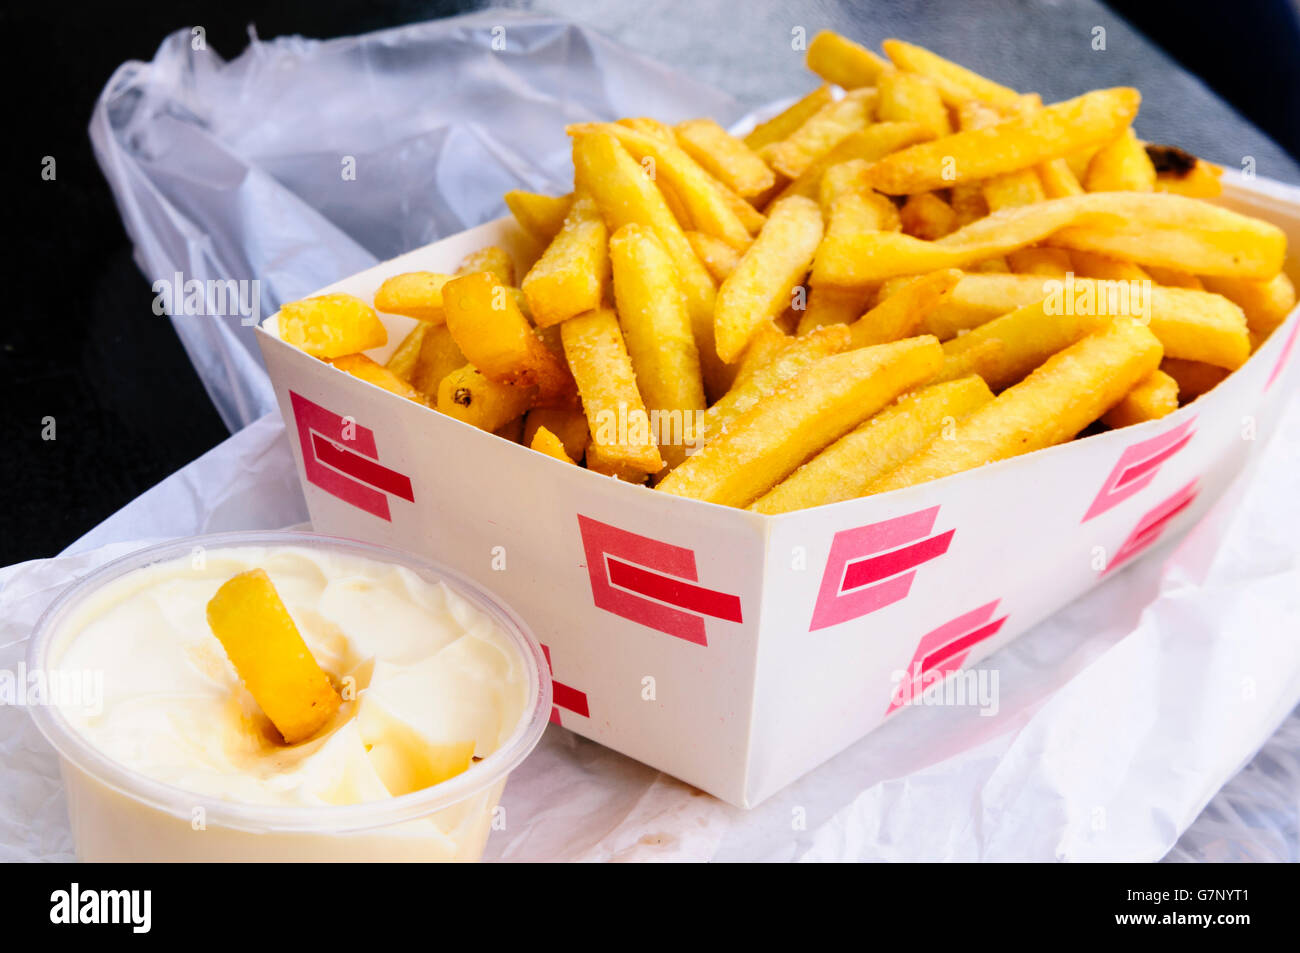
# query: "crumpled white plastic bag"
x,y
1119,716
302,161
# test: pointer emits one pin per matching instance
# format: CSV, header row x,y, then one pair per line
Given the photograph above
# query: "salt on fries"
x,y
911,271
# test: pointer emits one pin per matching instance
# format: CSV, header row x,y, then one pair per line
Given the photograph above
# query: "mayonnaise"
x,y
417,664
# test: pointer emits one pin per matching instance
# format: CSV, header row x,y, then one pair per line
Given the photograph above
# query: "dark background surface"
x,y
79,342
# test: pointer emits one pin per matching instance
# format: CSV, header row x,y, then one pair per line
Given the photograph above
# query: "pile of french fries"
x,y
909,272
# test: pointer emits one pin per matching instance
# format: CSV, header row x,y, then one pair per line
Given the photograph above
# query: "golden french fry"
x,y
783,124
494,335
839,60
472,398
847,467
331,325
766,444
1266,302
541,216
568,424
1059,399
439,356
372,372
402,361
718,257
657,332
546,442
956,84
416,294
1121,165
1089,265
1148,228
793,358
1174,278
651,126
911,97
261,640
845,182
700,195
1020,142
768,341
725,157
899,315
621,435
769,271
1194,378
1048,262
489,260
831,305
1197,179
626,196
1189,324
572,276
1154,397
872,143
927,216
793,155
1058,179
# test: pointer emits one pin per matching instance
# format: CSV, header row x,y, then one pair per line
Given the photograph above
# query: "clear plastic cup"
x,y
118,814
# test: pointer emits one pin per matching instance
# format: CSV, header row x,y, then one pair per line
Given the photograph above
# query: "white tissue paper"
x,y
301,161
1118,718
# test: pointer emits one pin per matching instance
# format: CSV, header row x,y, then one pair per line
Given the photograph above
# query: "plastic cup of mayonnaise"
x,y
120,814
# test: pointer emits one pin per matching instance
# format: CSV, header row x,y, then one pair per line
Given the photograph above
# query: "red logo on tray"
x,y
1137,467
870,567
564,696
346,468
1282,358
944,650
651,582
1153,523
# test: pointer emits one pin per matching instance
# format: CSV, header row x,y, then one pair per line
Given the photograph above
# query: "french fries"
x,y
825,308
358,365
762,284
847,467
765,444
262,642
1068,392
625,196
470,397
497,339
839,60
1147,228
541,216
837,119
547,443
1015,143
783,124
572,276
956,84
725,157
621,436
898,316
1154,397
416,294
657,331
331,326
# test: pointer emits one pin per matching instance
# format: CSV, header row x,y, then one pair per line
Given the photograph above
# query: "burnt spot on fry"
x,y
1171,160
463,396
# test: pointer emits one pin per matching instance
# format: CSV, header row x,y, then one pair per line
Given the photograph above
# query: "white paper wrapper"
x,y
1120,716
300,161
